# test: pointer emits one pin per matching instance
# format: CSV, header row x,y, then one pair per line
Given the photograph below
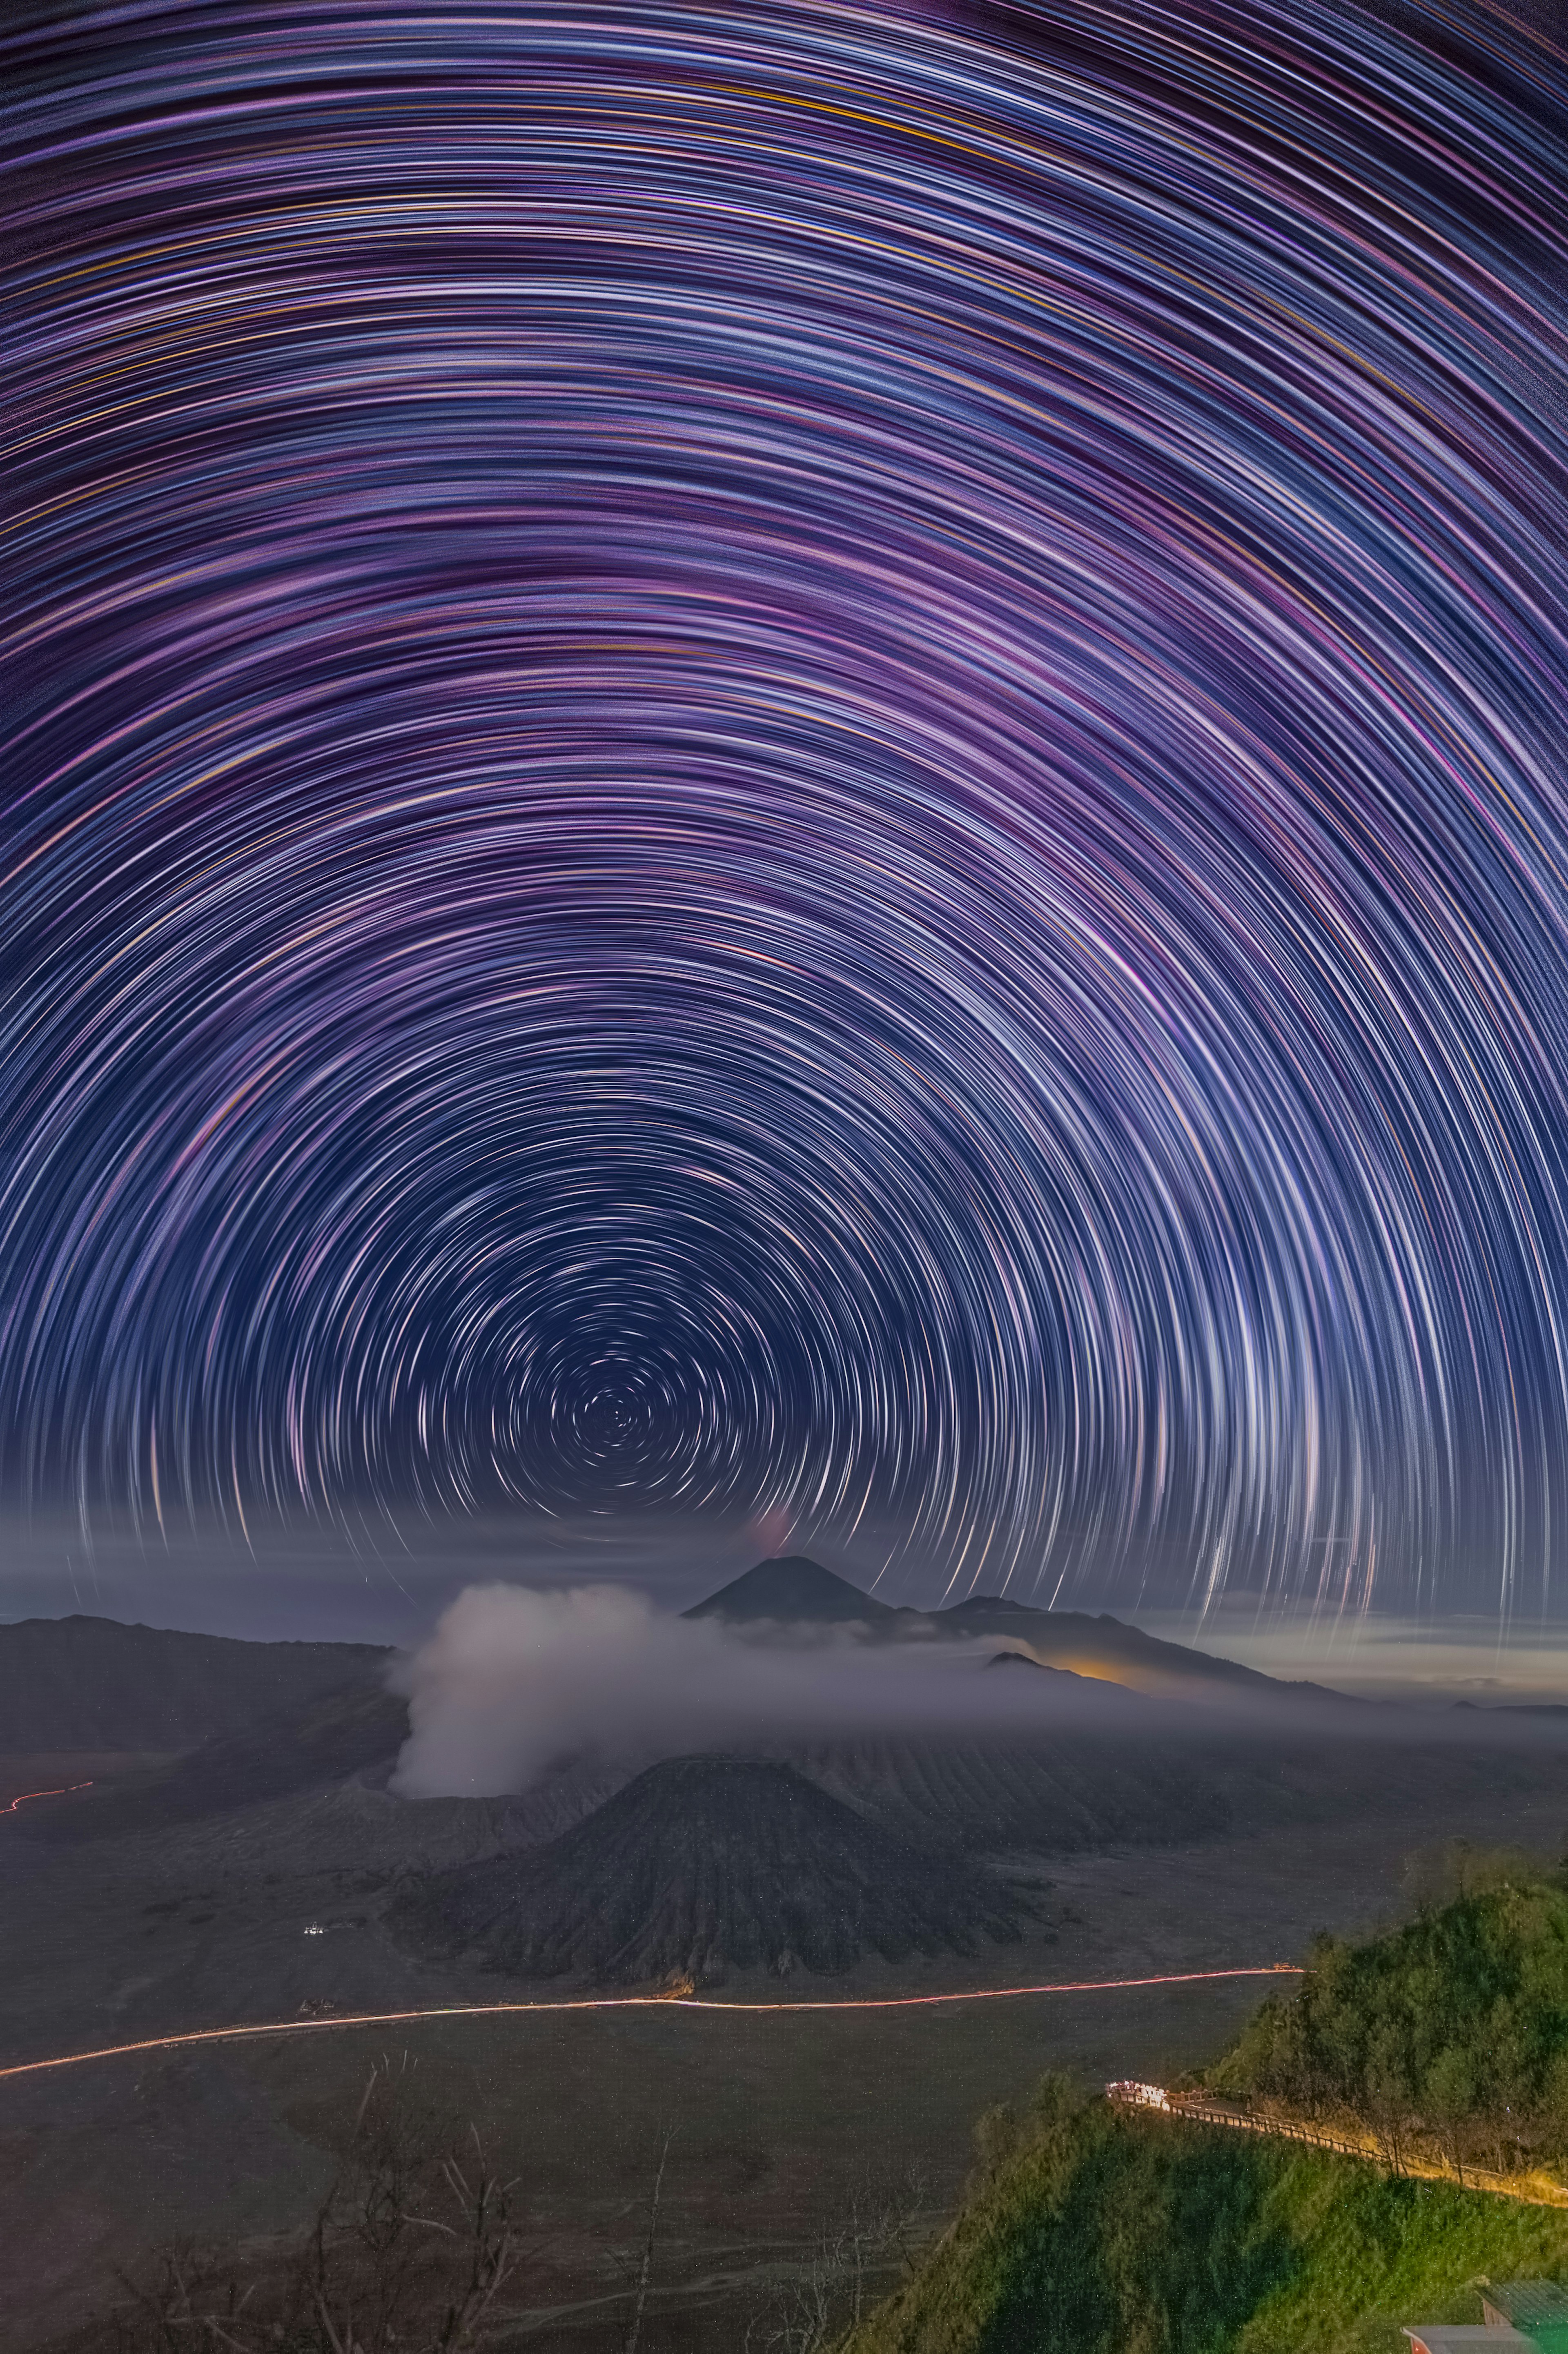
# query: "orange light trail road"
x,y
624,2002
63,1792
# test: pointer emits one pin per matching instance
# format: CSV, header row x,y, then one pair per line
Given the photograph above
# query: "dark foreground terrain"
x,y
782,2122
270,1875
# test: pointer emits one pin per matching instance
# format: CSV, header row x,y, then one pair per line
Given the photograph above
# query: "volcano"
x,y
704,1863
795,1590
798,1592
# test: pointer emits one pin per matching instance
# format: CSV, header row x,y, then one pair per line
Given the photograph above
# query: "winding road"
x,y
314,2026
23,1797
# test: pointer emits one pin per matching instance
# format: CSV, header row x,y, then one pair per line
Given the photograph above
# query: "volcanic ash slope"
x,y
703,1863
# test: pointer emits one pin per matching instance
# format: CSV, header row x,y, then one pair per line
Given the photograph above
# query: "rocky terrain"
x,y
326,1739
1129,1768
702,1865
268,1871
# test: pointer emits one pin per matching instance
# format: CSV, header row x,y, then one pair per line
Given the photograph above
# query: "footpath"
x,y
1533,2189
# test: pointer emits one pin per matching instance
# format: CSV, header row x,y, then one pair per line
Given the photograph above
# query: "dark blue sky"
x,y
782,775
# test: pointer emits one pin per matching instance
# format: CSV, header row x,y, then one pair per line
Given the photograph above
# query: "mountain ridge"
x,y
794,1590
90,1683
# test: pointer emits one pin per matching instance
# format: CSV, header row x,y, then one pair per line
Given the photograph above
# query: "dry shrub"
x,y
408,2255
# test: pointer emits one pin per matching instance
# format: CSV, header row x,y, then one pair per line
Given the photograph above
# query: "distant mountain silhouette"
x,y
92,1683
795,1591
703,1863
1102,1647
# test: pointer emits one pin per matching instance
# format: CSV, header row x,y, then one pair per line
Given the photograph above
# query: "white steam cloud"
x,y
514,1682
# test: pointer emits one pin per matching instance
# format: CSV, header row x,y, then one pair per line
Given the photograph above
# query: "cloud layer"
x,y
514,1682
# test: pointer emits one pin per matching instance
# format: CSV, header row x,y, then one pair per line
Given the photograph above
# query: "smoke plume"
x,y
514,1682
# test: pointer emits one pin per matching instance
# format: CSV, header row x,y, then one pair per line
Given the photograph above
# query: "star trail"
x,y
795,763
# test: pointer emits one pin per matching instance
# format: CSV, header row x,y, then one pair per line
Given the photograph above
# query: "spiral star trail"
x,y
797,763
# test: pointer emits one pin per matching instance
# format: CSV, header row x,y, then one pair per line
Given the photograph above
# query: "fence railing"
x,y
1532,2190
1289,2128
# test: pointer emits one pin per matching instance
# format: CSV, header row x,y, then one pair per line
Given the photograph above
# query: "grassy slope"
x,y
1104,2233
1099,2231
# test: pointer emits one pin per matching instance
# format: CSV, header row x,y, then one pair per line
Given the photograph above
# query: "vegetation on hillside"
x,y
1099,2231
1451,2030
1096,2229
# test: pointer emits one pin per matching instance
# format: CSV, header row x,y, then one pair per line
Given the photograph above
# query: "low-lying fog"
x,y
514,1682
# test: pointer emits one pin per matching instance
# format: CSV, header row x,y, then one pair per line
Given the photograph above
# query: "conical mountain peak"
x,y
793,1590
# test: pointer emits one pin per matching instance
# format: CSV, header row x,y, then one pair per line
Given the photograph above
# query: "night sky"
x,y
797,772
